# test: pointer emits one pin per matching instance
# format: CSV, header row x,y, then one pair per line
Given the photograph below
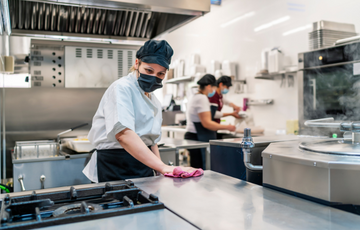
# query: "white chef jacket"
x,y
199,103
123,105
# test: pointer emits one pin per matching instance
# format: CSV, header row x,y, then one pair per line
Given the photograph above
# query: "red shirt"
x,y
217,99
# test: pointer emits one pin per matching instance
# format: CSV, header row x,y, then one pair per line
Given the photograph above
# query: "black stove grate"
x,y
74,205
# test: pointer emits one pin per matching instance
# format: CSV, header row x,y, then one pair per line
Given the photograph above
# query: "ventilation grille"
x,y
120,64
40,16
89,53
99,53
37,72
130,58
78,52
110,54
37,52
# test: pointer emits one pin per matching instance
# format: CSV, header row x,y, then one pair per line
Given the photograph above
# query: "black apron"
x,y
118,164
205,134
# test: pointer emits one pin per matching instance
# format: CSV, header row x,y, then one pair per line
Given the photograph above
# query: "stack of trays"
x,y
326,33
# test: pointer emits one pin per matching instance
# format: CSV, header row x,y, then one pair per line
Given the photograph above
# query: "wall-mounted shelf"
x,y
271,76
260,102
240,81
180,80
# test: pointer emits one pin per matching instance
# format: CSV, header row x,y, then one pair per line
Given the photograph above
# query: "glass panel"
x,y
332,92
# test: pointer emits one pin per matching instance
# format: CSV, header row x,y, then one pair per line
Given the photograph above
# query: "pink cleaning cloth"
x,y
180,173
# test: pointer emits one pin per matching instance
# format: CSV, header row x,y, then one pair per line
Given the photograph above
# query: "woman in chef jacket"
x,y
199,119
127,124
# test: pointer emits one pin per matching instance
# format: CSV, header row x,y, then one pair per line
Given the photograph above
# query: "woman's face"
x,y
152,69
209,89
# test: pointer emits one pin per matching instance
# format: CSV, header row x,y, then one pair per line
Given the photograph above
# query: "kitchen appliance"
x,y
229,69
325,170
57,64
214,66
108,19
42,148
329,82
275,60
74,205
326,33
37,164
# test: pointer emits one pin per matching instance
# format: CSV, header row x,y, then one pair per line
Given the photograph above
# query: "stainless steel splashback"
x,y
139,19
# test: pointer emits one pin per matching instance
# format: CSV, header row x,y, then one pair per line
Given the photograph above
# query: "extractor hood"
x,y
110,19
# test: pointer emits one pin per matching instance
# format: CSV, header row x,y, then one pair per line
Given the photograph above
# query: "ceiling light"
x,y
238,19
272,23
296,30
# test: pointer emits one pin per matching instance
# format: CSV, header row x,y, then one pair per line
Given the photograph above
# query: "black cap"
x,y
158,52
207,79
225,80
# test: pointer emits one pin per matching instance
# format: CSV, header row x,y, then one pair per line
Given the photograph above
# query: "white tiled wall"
x,y
239,43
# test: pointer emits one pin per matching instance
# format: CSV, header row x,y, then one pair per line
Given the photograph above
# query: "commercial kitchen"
x,y
285,150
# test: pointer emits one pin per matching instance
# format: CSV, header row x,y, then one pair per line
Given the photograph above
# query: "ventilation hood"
x,y
109,19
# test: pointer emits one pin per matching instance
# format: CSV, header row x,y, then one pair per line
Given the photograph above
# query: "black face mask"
x,y
149,83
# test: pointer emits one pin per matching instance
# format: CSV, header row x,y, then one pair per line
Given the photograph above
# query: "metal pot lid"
x,y
335,146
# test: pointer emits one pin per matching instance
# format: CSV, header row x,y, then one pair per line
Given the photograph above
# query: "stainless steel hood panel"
x,y
170,6
110,19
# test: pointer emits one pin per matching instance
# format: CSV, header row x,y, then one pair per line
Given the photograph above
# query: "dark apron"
x,y
118,164
205,134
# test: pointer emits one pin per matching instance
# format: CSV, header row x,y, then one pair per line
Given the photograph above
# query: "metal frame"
x,y
6,16
72,36
189,7
87,43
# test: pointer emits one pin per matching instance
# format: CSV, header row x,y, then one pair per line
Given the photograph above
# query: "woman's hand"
x,y
231,128
237,109
170,169
235,114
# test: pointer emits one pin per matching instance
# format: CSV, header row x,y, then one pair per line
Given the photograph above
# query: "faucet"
x,y
246,145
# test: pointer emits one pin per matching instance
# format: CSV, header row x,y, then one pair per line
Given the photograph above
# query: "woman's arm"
x,y
155,150
133,144
219,114
205,118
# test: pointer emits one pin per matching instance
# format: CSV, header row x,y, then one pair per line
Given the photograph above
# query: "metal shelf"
x,y
271,76
180,80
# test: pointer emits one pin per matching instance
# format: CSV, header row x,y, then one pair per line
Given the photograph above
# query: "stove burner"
x,y
76,209
74,205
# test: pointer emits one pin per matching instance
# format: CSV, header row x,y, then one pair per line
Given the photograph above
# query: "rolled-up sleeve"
x,y
226,101
119,111
218,115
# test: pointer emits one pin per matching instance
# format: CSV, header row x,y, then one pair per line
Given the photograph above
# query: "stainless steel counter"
x,y
259,141
183,144
216,201
152,220
182,129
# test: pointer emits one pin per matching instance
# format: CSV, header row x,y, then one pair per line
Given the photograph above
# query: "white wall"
x,y
239,43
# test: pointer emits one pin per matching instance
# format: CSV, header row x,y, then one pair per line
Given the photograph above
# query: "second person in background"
x,y
223,86
199,119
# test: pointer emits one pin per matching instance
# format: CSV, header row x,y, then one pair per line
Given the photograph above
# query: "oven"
x,y
329,85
